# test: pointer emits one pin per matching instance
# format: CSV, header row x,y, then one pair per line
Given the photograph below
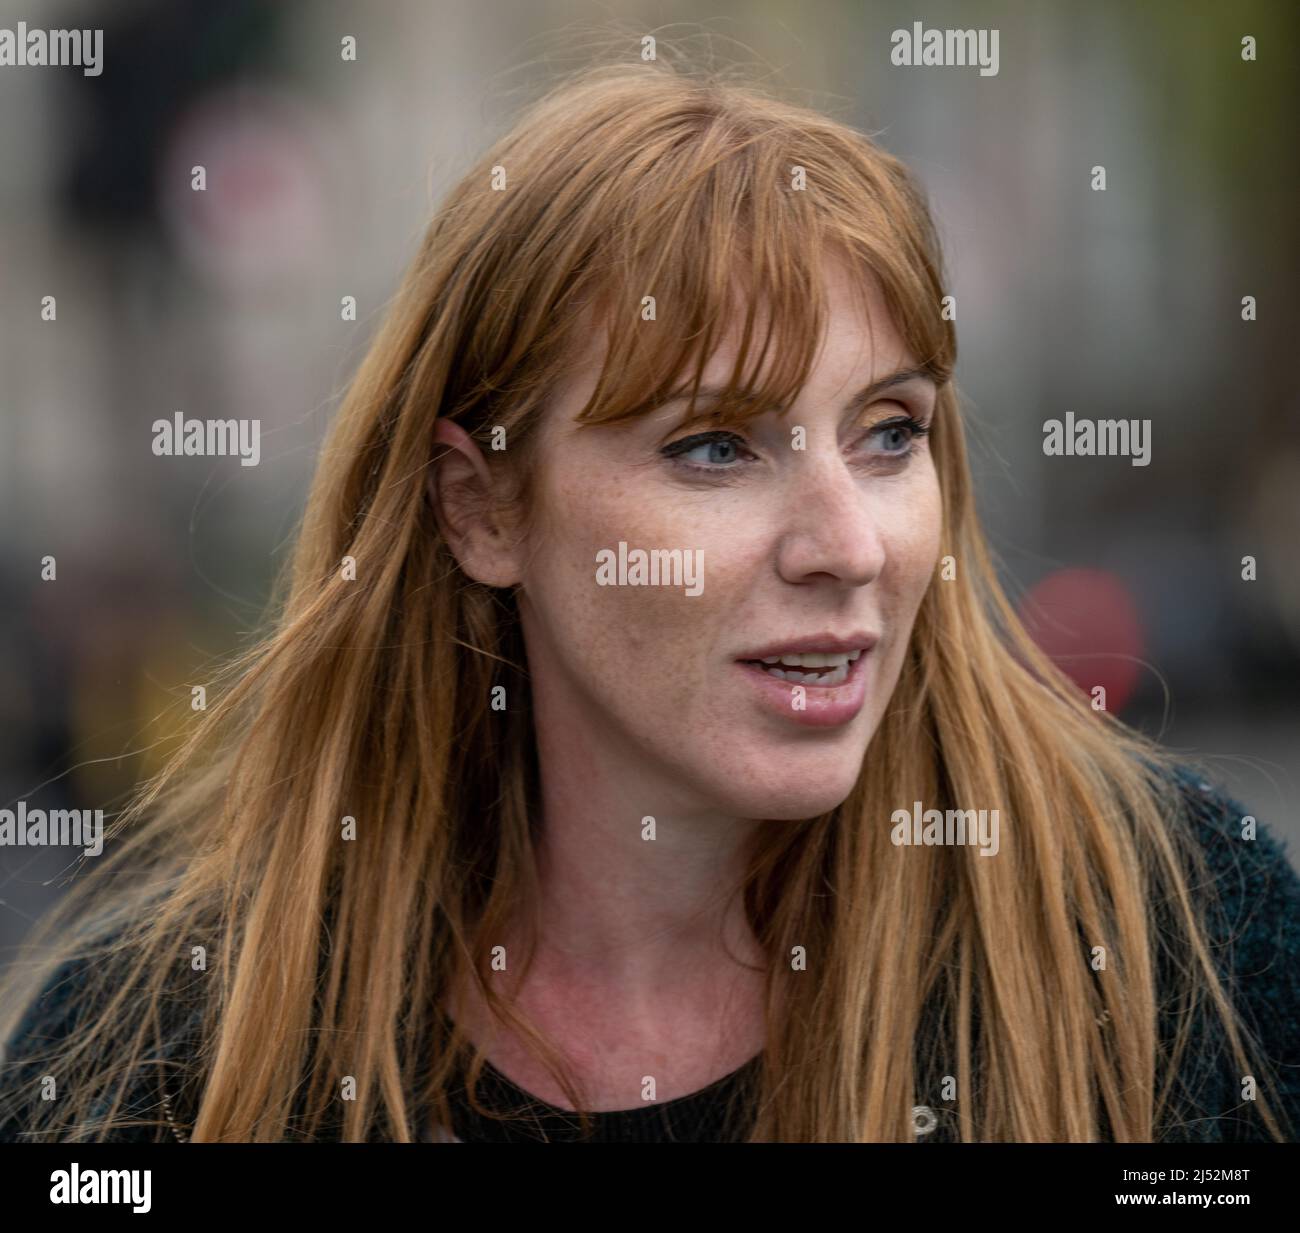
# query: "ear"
x,y
466,505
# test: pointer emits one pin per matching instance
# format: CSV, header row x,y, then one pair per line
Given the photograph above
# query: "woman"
x,y
639,590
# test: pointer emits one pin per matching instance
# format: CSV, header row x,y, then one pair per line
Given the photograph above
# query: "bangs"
x,y
715,243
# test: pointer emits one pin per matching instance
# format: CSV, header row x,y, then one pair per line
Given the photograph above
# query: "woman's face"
x,y
826,548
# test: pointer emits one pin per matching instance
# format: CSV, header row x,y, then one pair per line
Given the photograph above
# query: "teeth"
x,y
814,659
836,677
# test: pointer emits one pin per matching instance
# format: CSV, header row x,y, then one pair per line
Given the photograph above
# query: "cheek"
x,y
615,633
914,529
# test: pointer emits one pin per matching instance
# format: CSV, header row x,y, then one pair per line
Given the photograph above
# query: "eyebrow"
x,y
864,397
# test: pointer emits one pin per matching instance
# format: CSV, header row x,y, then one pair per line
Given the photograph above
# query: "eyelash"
x,y
673,450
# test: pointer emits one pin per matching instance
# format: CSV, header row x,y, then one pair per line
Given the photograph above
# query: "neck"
x,y
636,908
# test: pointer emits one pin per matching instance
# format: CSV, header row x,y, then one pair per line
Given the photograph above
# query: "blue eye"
x,y
719,449
906,429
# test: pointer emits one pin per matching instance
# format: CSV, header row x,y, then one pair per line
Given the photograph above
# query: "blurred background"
x,y
322,174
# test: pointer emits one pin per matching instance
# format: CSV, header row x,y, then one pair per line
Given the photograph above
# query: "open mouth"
x,y
810,668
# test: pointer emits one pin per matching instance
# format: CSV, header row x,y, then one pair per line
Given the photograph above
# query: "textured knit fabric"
x,y
700,1117
1254,930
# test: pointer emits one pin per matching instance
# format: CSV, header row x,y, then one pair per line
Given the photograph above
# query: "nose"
x,y
830,533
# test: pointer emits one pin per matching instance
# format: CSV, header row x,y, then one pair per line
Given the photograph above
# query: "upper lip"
x,y
827,643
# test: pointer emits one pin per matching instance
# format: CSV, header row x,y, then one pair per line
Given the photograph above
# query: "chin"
x,y
803,796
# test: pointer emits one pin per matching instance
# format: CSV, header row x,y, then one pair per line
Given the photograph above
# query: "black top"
x,y
1255,935
699,1117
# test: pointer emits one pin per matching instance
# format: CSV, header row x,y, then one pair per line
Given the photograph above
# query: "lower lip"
x,y
824,706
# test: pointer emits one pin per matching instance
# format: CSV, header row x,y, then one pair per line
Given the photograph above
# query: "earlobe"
x,y
461,489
